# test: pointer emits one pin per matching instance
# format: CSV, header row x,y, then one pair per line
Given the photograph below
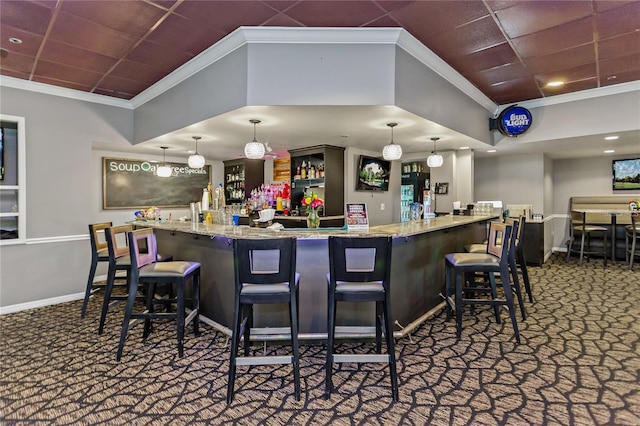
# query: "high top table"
x,y
417,271
613,214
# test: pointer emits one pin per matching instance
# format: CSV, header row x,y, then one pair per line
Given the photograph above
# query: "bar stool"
x,y
496,260
631,239
517,262
146,270
265,273
119,260
359,271
99,253
580,229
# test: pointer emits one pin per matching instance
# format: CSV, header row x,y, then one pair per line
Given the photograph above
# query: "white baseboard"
x,y
40,303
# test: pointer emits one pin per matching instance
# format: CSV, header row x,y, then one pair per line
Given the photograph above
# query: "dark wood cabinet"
x,y
319,169
240,178
534,243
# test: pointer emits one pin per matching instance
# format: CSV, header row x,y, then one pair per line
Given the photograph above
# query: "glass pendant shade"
x,y
196,161
254,149
392,151
435,159
164,170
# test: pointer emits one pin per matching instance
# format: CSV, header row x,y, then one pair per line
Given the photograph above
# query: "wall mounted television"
x,y
626,174
373,174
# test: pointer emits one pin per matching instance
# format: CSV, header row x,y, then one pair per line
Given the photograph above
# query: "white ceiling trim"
x,y
632,86
48,89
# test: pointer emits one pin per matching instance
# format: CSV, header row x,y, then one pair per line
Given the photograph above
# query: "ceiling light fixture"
x,y
254,149
196,161
611,138
392,151
492,150
435,159
609,151
555,83
164,170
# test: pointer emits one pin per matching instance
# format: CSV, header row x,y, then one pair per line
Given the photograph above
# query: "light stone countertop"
x,y
404,229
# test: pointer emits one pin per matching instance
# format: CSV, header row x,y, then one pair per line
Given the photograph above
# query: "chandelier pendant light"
x,y
392,151
254,149
164,170
196,161
435,159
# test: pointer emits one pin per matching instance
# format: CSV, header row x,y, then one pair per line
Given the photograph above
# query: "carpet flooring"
x,y
578,364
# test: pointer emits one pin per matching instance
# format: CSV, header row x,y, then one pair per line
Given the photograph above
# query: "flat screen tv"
x,y
626,174
373,174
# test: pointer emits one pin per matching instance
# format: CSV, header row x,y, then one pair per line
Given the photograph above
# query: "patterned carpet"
x,y
578,364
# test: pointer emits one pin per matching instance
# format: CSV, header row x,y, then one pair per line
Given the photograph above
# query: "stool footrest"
x,y
264,360
339,358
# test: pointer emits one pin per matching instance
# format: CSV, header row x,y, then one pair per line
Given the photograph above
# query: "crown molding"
x,y
616,89
48,89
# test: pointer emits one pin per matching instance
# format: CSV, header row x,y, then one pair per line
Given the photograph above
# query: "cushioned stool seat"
x,y
460,266
145,269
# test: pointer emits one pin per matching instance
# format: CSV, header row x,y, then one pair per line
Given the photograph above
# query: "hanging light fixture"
x,y
435,159
254,149
392,151
196,161
164,170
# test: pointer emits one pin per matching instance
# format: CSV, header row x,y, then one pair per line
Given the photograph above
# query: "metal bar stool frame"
x,y
579,224
99,253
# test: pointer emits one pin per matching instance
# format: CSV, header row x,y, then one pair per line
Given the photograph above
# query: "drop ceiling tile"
x,y
60,72
62,83
16,74
383,21
622,77
282,20
582,72
73,56
122,86
24,15
138,71
280,4
492,76
30,41
569,58
604,5
529,17
555,39
430,18
619,46
576,86
226,16
618,21
339,13
160,56
129,17
17,63
484,59
477,36
513,91
620,64
164,4
171,33
91,36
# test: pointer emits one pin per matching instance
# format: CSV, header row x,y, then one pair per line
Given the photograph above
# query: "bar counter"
x,y
417,270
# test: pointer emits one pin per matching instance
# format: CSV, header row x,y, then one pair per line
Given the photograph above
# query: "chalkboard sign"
x,y
133,184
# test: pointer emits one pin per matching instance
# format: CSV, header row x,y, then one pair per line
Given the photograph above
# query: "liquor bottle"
x,y
303,171
312,172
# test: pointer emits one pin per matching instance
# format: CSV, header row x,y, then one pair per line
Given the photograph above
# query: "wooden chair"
x,y
580,231
99,253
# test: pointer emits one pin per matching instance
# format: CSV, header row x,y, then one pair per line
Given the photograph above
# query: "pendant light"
x,y
164,170
254,149
392,151
196,161
435,159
